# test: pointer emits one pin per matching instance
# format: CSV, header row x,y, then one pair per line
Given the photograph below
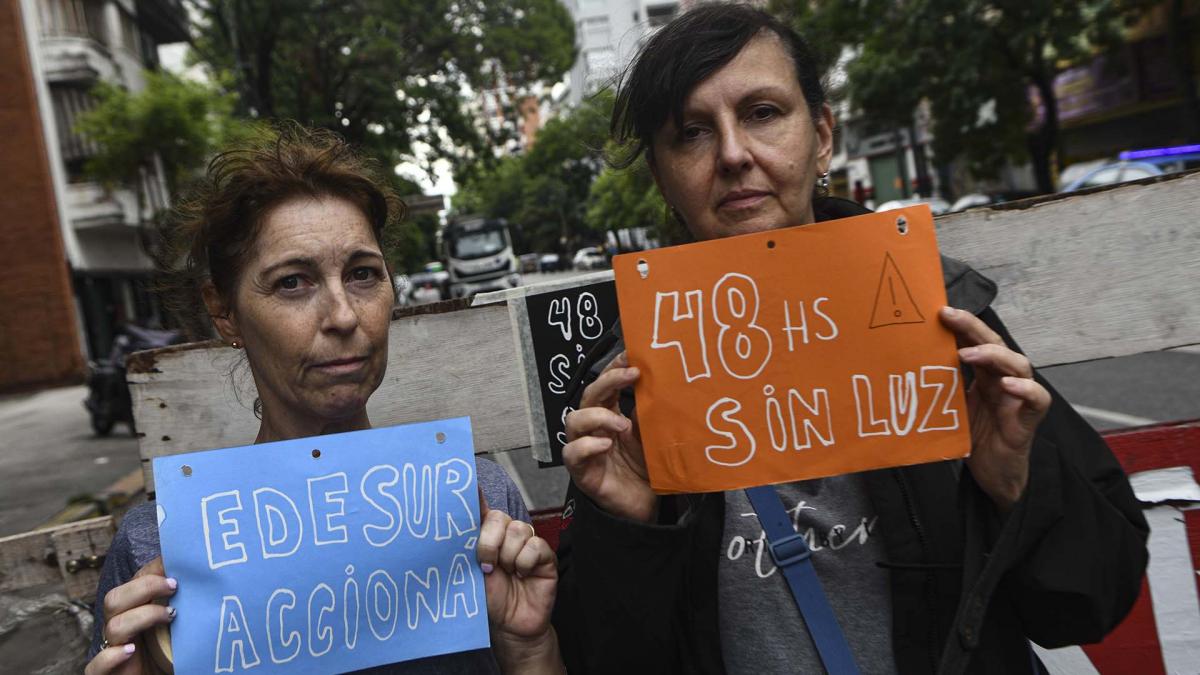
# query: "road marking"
x,y
1066,661
1112,416
1173,589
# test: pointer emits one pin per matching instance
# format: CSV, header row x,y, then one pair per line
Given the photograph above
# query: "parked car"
x,y
549,262
590,258
530,262
974,199
429,285
402,284
936,204
1111,173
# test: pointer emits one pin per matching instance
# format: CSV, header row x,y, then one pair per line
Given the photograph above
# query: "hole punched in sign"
x,y
316,453
902,225
441,437
187,470
643,267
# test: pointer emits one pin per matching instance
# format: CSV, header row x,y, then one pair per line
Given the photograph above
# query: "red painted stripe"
x,y
1131,649
1157,447
546,524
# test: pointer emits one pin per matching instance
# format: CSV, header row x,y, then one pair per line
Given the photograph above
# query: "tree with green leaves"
x,y
179,122
974,61
392,76
544,191
174,123
628,198
409,243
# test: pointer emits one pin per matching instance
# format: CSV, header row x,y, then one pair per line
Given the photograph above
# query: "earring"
x,y
235,344
823,182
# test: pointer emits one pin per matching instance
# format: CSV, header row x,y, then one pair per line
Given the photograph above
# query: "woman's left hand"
x,y
520,577
1004,404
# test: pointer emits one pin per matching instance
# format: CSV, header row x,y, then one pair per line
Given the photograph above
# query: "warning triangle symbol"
x,y
894,303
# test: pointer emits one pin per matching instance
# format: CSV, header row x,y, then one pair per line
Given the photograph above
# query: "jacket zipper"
x,y
930,581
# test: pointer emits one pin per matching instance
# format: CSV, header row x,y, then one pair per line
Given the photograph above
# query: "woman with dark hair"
x,y
945,567
283,243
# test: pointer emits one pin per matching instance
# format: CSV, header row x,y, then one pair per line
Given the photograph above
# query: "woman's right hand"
x,y
130,611
604,449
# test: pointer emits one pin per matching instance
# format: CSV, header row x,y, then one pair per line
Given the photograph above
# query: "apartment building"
x,y
608,33
69,46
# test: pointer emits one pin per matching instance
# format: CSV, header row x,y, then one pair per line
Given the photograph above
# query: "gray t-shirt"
x,y
136,544
762,630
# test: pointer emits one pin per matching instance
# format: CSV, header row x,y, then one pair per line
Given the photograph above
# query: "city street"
x,y
52,455
1133,390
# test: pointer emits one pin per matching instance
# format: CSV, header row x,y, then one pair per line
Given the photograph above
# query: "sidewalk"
x,y
49,454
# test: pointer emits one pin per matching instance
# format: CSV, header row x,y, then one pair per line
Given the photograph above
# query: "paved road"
x,y
50,454
1133,390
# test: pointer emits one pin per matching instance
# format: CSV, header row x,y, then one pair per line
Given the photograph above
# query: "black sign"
x,y
564,325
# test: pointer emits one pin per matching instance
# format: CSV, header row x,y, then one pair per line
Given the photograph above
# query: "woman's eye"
x,y
691,133
364,274
289,283
763,112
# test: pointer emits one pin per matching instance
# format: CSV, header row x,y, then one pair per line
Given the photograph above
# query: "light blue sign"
x,y
324,554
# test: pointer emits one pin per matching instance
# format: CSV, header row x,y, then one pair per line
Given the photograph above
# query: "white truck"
x,y
479,255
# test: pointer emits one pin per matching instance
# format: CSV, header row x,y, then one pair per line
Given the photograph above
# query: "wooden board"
x,y
41,557
80,549
1083,276
439,365
1091,276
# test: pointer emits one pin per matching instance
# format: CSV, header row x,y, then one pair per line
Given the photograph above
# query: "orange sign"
x,y
793,354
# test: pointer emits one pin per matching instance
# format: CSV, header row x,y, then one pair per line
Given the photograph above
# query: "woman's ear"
x,y
220,312
824,124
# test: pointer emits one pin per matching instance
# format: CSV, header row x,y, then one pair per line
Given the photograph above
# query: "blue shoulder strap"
x,y
793,557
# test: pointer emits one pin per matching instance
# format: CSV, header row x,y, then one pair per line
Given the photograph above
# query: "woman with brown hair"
x,y
283,243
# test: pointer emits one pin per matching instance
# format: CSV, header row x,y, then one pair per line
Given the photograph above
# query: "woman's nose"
x,y
340,315
734,154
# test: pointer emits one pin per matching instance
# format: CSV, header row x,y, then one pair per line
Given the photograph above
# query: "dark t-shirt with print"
x,y
762,630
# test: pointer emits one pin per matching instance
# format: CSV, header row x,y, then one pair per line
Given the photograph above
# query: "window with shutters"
x,y
73,18
71,101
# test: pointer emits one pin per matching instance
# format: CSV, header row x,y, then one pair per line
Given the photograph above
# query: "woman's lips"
x,y
341,366
736,201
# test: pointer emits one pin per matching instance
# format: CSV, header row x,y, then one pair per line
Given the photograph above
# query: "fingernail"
x,y
948,311
171,612
633,370
172,583
129,647
624,423
486,567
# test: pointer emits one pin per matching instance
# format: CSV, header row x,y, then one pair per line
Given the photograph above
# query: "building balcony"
x,y
92,207
67,58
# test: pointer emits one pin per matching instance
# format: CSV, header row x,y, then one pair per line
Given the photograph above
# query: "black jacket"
x,y
968,589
